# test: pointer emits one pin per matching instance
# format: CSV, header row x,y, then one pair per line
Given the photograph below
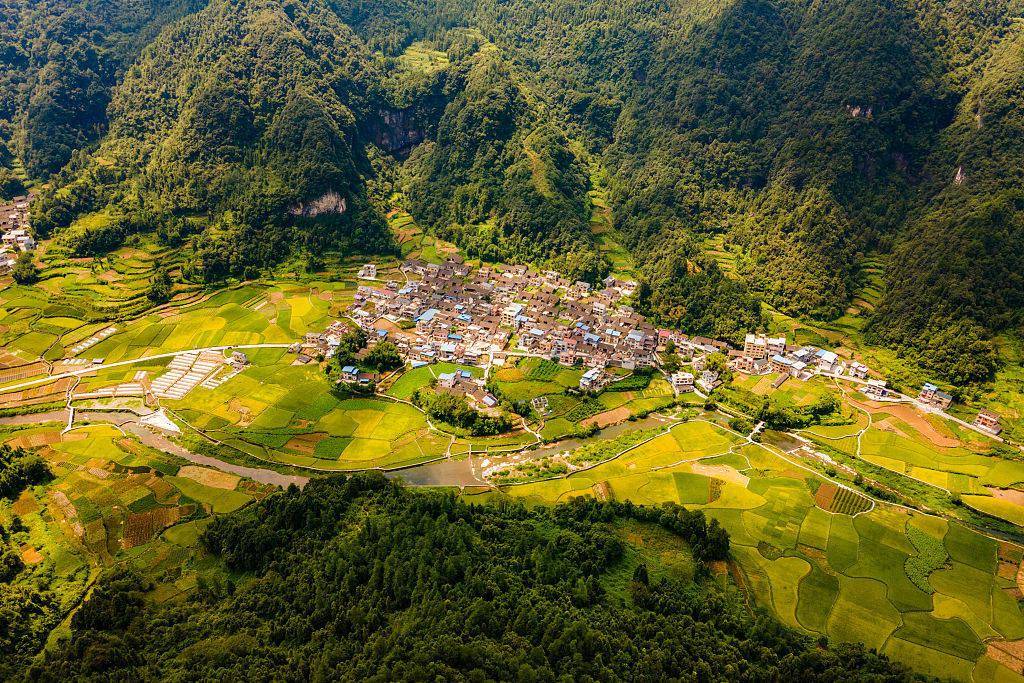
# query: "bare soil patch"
x,y
35,440
608,417
244,413
825,495
1009,653
304,443
913,418
602,491
887,426
1010,495
721,472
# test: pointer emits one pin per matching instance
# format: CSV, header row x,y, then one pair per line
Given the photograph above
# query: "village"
x,y
15,232
453,313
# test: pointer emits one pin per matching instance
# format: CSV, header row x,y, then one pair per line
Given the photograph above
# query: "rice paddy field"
x,y
530,378
115,501
286,414
75,296
823,558
932,450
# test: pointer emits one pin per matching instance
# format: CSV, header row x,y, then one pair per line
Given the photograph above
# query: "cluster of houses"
x,y
15,232
453,313
448,312
763,355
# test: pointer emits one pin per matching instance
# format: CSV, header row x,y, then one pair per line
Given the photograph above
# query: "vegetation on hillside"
x,y
802,135
60,60
360,578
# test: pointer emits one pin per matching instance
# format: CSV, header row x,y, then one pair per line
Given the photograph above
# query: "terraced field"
x,y
931,450
831,573
115,500
609,241
283,413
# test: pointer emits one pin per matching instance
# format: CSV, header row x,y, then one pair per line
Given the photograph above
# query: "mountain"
x,y
958,268
803,135
58,64
499,179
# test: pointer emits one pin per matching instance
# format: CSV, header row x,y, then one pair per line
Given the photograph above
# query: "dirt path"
x,y
85,370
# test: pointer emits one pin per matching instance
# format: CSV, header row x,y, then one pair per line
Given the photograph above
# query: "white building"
x,y
682,382
592,380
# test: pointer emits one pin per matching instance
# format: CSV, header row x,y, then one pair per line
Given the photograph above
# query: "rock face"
x,y
397,132
330,202
961,176
860,111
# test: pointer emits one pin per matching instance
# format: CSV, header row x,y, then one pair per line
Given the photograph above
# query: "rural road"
x,y
86,369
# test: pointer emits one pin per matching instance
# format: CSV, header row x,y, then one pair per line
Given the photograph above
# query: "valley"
x,y
827,528
535,341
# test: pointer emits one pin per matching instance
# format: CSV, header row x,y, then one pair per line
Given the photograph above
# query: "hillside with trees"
x,y
803,135
59,62
361,579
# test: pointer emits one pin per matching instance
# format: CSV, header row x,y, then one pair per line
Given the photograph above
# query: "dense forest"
x,y
362,579
806,135
59,61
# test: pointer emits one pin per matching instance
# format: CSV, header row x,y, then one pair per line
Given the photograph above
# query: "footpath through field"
x,y
85,370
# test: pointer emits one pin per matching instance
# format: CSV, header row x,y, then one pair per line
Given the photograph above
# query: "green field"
x,y
287,414
112,501
929,450
826,573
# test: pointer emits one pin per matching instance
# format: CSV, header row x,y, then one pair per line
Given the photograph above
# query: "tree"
x,y
384,356
351,343
160,287
10,185
670,362
25,271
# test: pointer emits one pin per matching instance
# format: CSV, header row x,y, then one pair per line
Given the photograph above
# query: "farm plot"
x,y
927,592
112,495
568,413
419,378
287,414
924,447
247,315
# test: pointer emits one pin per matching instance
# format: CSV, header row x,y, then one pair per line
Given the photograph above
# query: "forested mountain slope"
x,y
959,265
806,134
58,61
236,123
360,579
499,179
